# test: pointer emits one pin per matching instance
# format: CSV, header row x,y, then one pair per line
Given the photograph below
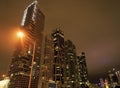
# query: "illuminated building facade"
x,y
61,65
70,74
25,64
82,70
113,78
58,63
47,62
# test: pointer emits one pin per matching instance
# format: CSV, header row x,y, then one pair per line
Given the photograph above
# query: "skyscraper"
x,y
82,70
58,63
61,66
25,65
70,74
47,64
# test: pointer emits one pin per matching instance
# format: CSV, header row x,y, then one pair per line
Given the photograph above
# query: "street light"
x,y
20,34
33,56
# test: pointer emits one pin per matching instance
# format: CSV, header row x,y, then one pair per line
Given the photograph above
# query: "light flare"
x,y
20,34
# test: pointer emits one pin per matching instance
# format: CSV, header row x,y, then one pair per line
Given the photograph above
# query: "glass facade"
x,y
82,70
58,64
70,75
27,55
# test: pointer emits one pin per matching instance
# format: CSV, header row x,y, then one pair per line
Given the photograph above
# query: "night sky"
x,y
92,25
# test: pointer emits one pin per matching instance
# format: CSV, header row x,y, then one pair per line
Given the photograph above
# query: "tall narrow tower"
x,y
70,74
58,46
82,70
47,62
25,65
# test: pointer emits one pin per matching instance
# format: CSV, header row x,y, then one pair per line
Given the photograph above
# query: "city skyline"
x,y
93,28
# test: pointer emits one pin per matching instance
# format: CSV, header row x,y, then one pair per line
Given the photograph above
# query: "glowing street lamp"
x,y
20,34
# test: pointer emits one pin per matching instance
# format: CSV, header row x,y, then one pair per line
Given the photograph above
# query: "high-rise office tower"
x,y
25,65
58,46
47,62
82,70
70,74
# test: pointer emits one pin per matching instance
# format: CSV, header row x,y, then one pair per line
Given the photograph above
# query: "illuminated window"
x,y
67,66
11,75
55,39
29,52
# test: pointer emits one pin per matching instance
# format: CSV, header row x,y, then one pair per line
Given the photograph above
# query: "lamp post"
x,y
33,56
21,35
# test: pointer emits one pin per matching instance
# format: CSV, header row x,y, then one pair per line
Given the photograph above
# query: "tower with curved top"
x,y
24,69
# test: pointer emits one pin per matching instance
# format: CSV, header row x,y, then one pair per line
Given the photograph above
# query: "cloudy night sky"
x,y
92,25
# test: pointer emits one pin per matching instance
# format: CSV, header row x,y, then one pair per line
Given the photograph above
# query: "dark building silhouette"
x,y
58,53
47,65
25,64
70,75
117,86
82,70
61,66
113,77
